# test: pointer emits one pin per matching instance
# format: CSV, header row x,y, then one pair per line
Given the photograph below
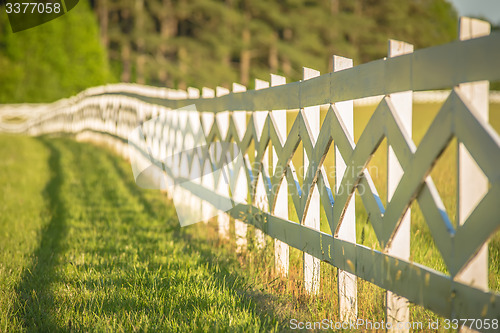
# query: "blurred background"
x,y
181,43
82,248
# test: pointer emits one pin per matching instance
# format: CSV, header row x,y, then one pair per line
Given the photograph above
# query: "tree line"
x,y
180,43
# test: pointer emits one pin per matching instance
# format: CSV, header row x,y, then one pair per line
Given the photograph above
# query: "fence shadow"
x,y
34,295
227,271
130,185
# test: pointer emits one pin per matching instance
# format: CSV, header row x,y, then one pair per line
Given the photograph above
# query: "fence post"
x,y
195,176
176,148
347,282
259,118
222,119
312,219
278,118
472,183
240,187
166,149
208,182
397,309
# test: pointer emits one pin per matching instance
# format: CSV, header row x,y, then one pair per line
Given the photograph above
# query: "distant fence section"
x,y
256,122
424,97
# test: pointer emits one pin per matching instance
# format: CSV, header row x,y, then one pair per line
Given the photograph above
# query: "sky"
x,y
490,9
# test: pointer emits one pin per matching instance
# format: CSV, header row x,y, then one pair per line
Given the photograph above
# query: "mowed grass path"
x,y
82,248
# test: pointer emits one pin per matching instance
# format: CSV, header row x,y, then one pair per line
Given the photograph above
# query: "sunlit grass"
x,y
83,249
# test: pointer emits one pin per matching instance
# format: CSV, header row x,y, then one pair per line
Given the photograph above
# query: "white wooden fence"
x,y
109,114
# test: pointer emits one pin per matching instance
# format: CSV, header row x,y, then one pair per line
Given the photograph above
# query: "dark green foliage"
x,y
180,43
54,60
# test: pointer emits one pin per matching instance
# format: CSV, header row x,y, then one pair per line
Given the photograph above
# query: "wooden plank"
x,y
430,68
311,116
278,120
440,293
430,148
347,282
439,224
208,181
481,144
472,183
369,141
419,284
222,119
472,236
240,190
480,138
397,310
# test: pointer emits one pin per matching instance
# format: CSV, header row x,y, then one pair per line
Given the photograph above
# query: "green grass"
x,y
82,248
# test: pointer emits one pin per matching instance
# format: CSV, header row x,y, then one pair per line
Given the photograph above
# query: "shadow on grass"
x,y
150,208
35,298
222,265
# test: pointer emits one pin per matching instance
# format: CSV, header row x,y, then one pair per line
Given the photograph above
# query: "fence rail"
x,y
262,188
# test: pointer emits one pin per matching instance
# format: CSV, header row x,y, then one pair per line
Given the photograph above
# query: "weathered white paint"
x,y
240,187
278,120
261,200
222,119
311,116
472,183
208,181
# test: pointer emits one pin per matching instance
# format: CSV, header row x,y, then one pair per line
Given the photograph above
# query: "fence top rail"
x,y
437,67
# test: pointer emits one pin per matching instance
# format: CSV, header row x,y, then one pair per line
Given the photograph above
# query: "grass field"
x,y
82,248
